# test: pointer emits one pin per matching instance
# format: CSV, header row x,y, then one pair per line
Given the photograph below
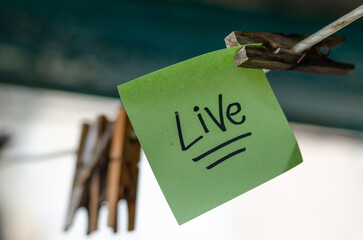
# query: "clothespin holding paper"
x,y
293,52
212,131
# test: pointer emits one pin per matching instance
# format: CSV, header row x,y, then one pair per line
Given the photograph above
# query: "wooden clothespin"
x,y
88,185
106,170
276,54
295,52
123,171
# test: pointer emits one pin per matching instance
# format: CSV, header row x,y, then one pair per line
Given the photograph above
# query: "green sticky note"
x,y
210,131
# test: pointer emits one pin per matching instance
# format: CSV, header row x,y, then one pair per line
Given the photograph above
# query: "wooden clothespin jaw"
x,y
274,53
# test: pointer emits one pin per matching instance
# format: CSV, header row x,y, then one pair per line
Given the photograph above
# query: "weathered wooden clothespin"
x,y
275,53
88,184
106,170
294,52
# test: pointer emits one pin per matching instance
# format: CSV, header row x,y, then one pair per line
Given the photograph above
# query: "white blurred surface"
x,y
320,199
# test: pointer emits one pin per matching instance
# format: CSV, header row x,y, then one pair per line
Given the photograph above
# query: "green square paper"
x,y
255,141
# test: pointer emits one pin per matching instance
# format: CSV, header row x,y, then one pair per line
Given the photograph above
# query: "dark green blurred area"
x,y
93,46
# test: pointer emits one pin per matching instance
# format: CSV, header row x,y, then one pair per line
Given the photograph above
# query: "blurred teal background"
x,y
93,46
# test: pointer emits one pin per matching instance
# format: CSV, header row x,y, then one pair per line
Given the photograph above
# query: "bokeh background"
x,y
93,46
60,63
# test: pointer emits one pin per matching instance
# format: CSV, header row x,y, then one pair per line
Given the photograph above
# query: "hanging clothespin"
x,y
123,170
293,52
275,54
106,170
89,185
